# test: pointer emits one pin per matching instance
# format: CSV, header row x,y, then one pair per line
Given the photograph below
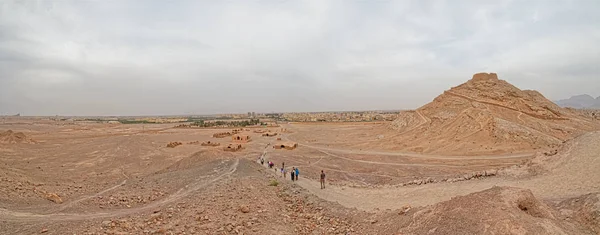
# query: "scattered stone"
x,y
405,209
53,197
106,223
244,209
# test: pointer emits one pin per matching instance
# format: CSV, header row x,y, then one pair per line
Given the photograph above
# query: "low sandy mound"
x,y
488,116
10,137
499,210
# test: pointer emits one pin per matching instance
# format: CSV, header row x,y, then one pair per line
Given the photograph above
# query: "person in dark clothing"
x,y
322,179
292,174
297,173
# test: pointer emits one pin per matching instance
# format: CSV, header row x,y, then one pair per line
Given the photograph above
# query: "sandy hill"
x,y
10,137
488,116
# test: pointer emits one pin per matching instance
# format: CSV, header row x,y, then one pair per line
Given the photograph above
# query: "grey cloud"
x,y
129,58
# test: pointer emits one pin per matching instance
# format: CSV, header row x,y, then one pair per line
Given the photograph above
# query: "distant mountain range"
x,y
580,102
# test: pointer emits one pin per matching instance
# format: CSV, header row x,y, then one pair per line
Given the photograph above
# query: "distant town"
x,y
243,119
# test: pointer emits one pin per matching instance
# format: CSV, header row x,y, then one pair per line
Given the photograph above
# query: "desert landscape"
x,y
482,158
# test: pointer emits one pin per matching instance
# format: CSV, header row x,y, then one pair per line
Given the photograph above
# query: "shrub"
x,y
273,183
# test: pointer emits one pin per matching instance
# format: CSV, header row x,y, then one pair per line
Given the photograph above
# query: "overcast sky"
x,y
120,57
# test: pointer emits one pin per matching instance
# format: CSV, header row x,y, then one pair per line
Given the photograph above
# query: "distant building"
x,y
240,138
222,134
288,146
233,147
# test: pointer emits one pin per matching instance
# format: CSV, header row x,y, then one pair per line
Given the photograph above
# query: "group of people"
x,y
294,173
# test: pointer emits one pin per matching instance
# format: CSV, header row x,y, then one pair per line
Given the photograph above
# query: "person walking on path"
x,y
322,179
297,173
292,173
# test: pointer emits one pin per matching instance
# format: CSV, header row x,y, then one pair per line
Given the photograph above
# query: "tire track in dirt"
x,y
331,169
403,164
72,203
415,155
16,216
378,163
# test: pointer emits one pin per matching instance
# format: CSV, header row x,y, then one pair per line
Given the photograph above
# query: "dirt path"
x,y
501,106
72,203
15,216
535,130
416,155
402,164
576,174
425,121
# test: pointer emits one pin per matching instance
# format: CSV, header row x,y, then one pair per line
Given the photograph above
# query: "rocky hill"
x,y
487,115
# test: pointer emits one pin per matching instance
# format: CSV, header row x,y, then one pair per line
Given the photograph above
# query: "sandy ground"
x,y
321,149
122,179
571,178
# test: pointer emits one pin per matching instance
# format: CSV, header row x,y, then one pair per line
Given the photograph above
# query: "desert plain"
x,y
482,158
